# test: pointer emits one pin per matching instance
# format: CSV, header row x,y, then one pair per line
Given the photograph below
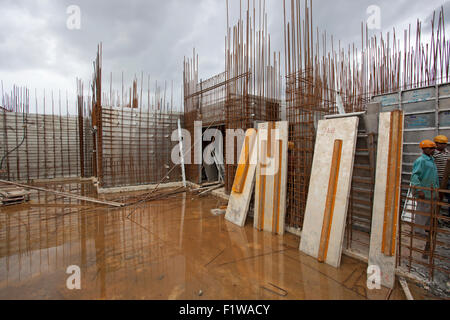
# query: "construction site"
x,y
288,176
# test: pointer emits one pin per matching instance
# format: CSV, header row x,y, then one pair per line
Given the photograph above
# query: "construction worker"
x,y
425,175
441,157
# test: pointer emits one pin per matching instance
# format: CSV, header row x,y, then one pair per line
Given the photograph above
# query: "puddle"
x,y
167,249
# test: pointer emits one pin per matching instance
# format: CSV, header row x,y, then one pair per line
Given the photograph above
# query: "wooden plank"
x,y
331,201
65,194
393,184
328,131
242,170
385,215
406,290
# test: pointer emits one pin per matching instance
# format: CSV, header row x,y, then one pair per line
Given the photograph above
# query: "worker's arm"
x,y
416,180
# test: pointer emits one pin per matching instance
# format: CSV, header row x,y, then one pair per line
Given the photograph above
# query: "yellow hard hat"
x,y
427,144
441,139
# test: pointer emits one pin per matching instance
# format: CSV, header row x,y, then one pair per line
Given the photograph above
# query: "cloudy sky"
x,y
39,51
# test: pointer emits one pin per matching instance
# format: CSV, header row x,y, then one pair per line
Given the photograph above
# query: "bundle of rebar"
x,y
249,90
132,142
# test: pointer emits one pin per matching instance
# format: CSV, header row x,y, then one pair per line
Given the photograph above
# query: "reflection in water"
x,y
183,212
100,255
170,249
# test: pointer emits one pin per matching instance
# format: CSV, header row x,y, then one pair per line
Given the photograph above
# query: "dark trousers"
x,y
447,199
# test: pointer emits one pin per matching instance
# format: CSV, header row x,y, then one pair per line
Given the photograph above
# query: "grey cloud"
x,y
154,36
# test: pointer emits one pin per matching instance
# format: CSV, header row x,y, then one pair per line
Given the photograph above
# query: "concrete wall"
x,y
50,149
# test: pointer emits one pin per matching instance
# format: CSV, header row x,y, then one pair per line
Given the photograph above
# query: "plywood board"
x,y
244,183
271,177
329,197
383,241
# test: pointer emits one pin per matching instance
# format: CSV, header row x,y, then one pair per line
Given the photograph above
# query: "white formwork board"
x,y
271,179
239,203
377,258
345,129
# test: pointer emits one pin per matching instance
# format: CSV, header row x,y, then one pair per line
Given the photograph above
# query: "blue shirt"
x,y
425,174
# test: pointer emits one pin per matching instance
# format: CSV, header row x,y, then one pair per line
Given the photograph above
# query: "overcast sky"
x,y
38,50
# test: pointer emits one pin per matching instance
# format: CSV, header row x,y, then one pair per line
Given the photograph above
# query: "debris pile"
x,y
10,195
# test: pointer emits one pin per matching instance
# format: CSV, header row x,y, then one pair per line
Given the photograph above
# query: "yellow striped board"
x,y
271,177
387,194
244,182
329,190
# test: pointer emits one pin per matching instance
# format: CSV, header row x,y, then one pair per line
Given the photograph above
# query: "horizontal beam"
x,y
65,194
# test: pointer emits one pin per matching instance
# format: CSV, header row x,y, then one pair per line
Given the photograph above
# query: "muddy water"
x,y
170,249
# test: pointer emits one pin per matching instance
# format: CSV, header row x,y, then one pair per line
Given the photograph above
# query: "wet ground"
x,y
169,249
437,282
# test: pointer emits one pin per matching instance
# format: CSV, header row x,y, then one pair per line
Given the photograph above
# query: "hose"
x,y
18,146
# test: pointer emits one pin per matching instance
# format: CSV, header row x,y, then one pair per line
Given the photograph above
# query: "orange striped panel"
x,y
331,200
391,207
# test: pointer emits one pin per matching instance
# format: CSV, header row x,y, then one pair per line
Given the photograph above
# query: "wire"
x,y
20,144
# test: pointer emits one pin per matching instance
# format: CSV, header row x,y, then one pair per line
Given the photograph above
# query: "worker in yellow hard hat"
x,y
425,175
441,157
427,144
441,139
